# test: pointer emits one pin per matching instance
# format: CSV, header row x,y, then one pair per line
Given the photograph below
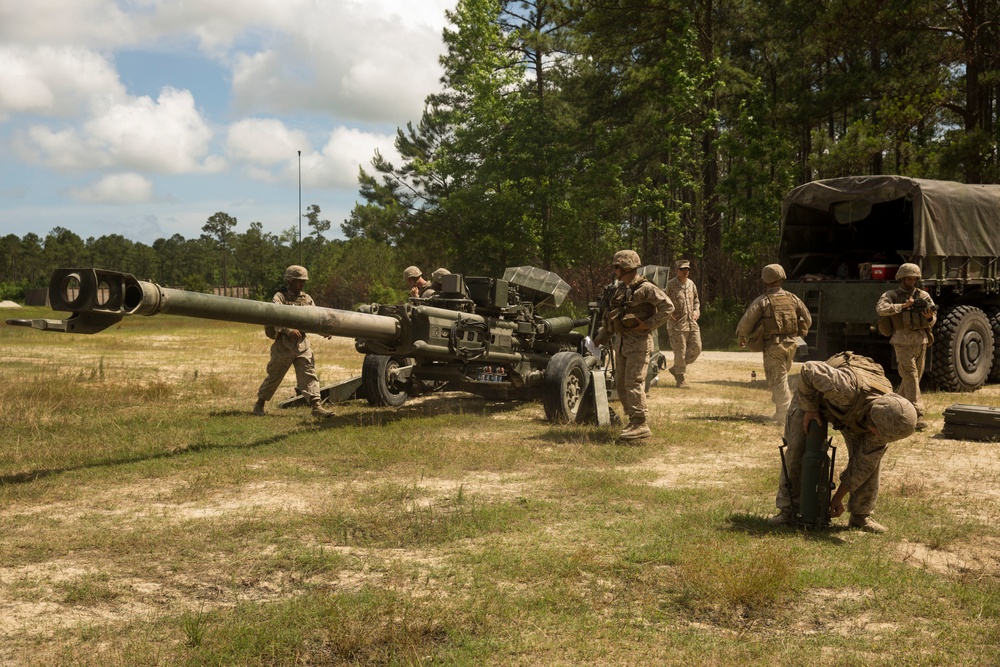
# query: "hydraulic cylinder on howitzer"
x,y
99,299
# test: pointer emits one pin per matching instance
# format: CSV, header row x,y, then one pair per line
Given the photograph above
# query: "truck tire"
x,y
962,352
380,389
994,316
565,385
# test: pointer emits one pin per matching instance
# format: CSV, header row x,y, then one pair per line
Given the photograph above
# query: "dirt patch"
x,y
976,560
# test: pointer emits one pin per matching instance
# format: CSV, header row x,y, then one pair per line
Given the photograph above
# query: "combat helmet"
x,y
908,270
895,417
439,274
296,272
627,260
772,273
411,272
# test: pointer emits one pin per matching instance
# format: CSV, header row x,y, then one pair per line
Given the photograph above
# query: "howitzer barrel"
x,y
100,299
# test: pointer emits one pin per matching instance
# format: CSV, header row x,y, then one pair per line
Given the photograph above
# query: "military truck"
x,y
842,240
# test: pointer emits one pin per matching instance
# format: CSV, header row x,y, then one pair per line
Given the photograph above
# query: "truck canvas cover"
x,y
949,219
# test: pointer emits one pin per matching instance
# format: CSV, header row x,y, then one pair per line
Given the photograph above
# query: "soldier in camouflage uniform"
x,y
637,308
436,277
682,327
911,332
781,317
852,393
291,348
419,288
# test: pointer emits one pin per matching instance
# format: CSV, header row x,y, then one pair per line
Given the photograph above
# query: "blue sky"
x,y
145,117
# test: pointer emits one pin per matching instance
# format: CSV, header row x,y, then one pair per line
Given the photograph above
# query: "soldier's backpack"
x,y
868,371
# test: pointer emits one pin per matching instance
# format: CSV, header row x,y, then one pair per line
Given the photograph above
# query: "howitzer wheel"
x,y
962,352
377,379
566,380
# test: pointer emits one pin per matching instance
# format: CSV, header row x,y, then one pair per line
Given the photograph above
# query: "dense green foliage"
x,y
566,129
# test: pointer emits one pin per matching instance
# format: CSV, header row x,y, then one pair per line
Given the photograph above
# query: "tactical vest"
x,y
908,320
427,291
784,318
872,383
626,315
269,330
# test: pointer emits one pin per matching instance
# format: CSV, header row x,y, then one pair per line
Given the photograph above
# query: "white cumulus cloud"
x,y
56,80
264,141
167,135
336,166
359,61
99,23
269,151
124,188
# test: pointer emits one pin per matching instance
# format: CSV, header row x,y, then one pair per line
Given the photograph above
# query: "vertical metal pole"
x,y
300,207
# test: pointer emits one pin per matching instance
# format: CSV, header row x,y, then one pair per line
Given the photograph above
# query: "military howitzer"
x,y
479,335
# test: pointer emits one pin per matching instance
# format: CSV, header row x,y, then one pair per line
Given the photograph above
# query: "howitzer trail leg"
x,y
784,517
596,401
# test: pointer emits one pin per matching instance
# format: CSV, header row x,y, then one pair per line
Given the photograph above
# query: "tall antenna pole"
x,y
300,207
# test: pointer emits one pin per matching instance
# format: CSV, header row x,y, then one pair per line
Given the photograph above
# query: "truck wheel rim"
x,y
971,351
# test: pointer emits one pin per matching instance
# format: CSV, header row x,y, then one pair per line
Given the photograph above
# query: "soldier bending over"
x,y
852,393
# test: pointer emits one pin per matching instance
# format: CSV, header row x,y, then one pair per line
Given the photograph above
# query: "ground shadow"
x,y
753,419
423,408
183,450
754,524
757,384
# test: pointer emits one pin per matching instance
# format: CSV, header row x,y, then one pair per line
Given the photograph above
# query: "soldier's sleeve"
x,y
671,289
805,317
863,461
696,310
927,296
664,306
750,319
885,306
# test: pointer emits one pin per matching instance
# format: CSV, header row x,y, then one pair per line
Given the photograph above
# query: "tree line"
x,y
564,130
343,273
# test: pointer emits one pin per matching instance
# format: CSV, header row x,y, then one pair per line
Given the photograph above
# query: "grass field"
x,y
147,518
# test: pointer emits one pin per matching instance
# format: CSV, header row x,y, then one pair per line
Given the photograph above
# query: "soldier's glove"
x,y
920,305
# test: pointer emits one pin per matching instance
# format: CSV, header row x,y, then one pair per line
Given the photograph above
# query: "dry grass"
x,y
148,518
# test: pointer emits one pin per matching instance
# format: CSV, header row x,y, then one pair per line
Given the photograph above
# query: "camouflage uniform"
x,y
682,326
911,334
851,399
639,300
286,352
783,317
